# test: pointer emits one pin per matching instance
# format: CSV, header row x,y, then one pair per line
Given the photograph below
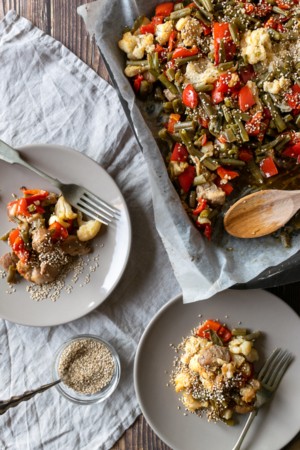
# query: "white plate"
x,y
276,424
112,245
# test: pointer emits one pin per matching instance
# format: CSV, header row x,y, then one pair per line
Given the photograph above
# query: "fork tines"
x,y
97,208
275,367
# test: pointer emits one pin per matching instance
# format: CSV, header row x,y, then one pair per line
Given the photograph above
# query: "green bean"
x,y
182,61
200,87
137,23
231,162
243,132
280,11
165,136
145,88
274,34
140,62
255,171
239,331
178,106
178,6
210,164
279,123
207,5
199,15
228,102
164,80
188,143
283,143
180,13
245,116
252,336
11,273
298,121
288,118
170,73
190,125
230,135
222,51
192,199
168,106
234,31
207,104
226,114
4,237
225,66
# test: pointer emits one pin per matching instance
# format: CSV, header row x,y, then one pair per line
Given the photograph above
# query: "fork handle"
x,y
250,419
12,156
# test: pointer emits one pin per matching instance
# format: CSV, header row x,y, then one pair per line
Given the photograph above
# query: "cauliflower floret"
x,y
136,46
256,45
163,32
87,230
181,23
63,209
191,403
276,86
191,30
132,71
228,370
192,345
202,72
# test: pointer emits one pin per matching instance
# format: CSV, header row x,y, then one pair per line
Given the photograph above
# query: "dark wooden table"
x,y
59,19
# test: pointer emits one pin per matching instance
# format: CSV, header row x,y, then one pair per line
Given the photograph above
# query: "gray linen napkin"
x,y
49,96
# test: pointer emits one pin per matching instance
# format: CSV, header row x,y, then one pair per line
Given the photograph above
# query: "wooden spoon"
x,y
261,213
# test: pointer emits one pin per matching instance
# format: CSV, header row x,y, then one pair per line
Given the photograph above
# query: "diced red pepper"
x,y
173,118
226,174
268,167
57,231
293,151
221,32
203,122
182,52
190,97
33,195
247,73
207,231
186,178
179,153
253,126
293,97
22,207
164,9
221,87
284,4
246,98
148,28
245,155
18,245
226,187
223,332
172,41
137,81
202,204
159,49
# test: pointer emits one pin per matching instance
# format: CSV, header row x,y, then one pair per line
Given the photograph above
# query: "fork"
x,y
269,376
82,199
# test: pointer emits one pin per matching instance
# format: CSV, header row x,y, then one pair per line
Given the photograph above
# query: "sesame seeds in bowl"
x,y
89,369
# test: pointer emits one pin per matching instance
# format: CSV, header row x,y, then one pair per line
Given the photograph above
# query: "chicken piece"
x,y
212,193
73,246
214,355
9,259
41,240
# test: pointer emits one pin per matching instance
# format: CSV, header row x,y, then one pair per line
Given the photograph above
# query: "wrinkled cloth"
x,y
49,96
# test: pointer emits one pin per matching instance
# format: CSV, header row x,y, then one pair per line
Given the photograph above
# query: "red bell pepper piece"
x,y
246,98
247,73
182,52
179,153
226,174
164,9
268,167
186,178
226,187
207,231
33,195
245,155
221,32
18,245
148,28
293,151
22,207
172,41
190,97
57,231
137,81
223,332
293,97
202,204
284,4
173,118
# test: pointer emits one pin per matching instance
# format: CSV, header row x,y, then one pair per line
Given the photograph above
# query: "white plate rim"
x,y
69,151
144,338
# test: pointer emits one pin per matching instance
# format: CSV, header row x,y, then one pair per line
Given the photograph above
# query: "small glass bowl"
x,y
86,399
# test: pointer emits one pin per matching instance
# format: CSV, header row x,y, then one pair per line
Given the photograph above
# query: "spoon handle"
x,y
14,401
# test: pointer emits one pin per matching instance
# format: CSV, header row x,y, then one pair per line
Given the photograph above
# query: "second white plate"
x,y
111,247
275,425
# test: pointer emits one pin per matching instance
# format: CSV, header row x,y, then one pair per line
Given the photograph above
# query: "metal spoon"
x,y
14,401
261,213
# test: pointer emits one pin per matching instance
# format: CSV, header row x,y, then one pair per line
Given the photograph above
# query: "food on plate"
x,y
227,77
214,372
48,234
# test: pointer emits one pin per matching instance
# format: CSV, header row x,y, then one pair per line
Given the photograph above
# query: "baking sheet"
x,y
202,268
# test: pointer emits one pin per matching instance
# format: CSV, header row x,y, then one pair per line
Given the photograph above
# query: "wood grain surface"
x,y
59,19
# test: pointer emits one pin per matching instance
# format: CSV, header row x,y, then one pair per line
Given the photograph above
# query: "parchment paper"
x,y
202,268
